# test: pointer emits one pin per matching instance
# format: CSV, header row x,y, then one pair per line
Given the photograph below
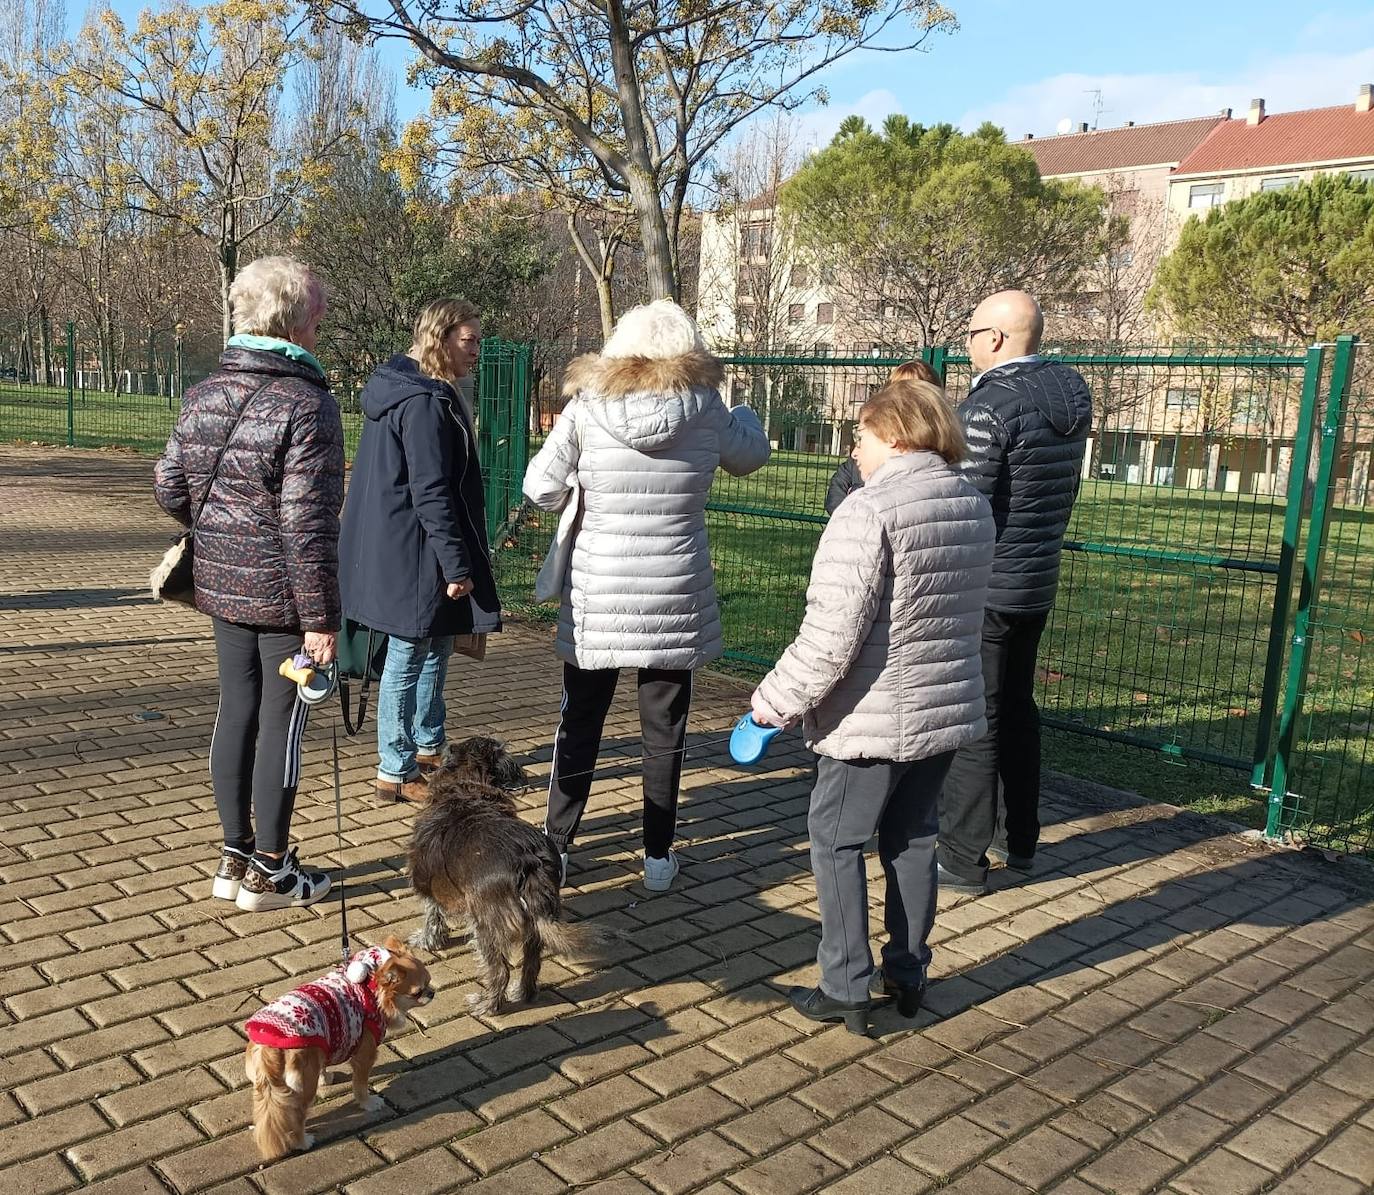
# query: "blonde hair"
x,y
435,321
914,371
658,330
275,296
916,417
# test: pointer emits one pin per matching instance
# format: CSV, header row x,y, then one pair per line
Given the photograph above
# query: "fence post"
x,y
1301,655
1288,555
71,383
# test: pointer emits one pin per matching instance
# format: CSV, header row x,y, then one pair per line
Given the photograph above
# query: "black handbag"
x,y
361,655
174,578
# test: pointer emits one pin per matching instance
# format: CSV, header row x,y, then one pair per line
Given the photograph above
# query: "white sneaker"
x,y
659,874
291,886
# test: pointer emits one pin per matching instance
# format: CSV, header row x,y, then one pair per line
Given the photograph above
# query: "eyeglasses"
x,y
972,332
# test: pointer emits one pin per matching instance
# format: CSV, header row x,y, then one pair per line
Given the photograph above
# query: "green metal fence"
x,y
1177,606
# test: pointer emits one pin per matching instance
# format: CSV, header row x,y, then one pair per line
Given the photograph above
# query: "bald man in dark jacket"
x,y
1026,421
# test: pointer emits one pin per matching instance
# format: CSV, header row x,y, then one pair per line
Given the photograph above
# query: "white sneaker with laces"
x,y
290,886
659,874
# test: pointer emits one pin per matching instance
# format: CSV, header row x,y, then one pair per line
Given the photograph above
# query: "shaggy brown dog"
x,y
473,860
340,1017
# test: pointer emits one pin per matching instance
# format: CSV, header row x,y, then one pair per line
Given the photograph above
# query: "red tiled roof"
x,y
1284,139
1118,149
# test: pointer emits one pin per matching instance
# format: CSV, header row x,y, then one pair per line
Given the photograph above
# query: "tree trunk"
x,y
648,202
228,267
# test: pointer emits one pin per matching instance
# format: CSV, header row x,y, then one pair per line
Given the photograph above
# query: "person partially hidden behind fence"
x,y
260,444
638,446
1026,420
885,676
847,479
414,561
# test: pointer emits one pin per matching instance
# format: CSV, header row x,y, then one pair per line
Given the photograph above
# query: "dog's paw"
x,y
371,1103
518,993
482,1005
422,940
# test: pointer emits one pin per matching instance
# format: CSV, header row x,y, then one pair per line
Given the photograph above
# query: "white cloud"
x,y
1301,80
819,126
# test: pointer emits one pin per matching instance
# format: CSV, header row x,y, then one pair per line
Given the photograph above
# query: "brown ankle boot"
x,y
415,791
428,763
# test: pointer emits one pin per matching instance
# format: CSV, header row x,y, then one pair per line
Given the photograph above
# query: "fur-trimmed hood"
x,y
594,376
646,403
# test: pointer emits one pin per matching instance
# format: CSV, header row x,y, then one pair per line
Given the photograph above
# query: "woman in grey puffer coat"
x,y
641,437
886,676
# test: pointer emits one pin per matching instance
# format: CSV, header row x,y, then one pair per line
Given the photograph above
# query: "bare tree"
x,y
645,91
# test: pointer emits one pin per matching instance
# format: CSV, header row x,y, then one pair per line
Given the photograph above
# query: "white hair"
x,y
274,296
657,330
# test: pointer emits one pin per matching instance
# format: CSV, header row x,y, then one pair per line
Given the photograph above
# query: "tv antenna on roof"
x,y
1098,106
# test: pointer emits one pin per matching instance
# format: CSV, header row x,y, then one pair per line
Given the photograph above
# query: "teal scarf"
x,y
274,344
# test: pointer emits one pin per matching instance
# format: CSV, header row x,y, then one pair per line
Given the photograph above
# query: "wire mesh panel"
x,y
1323,778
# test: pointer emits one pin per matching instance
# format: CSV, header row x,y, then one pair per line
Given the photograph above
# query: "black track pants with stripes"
x,y
255,752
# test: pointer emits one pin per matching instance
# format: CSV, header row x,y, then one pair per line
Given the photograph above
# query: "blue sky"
x,y
1027,65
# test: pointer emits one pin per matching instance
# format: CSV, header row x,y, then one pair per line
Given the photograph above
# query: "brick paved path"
x,y
1163,1008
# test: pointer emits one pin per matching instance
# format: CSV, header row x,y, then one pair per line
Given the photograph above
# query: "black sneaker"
x,y
229,874
907,996
290,886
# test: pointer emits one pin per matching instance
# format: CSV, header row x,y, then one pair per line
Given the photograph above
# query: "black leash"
x,y
338,830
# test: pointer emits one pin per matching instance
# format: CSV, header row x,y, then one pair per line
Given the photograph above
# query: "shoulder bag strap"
x,y
219,458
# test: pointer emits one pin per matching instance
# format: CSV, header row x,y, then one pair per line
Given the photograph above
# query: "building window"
x,y
1181,401
1205,194
1361,176
1248,410
799,276
825,313
1279,182
755,240
796,312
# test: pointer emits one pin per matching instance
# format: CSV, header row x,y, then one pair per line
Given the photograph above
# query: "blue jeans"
x,y
410,704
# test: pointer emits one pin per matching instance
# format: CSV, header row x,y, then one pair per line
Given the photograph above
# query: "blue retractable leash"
x,y
749,741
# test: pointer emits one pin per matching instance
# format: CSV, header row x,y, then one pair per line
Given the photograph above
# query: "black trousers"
x,y
665,694
1008,755
255,751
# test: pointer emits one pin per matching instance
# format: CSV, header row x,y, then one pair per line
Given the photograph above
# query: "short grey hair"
x,y
657,330
275,296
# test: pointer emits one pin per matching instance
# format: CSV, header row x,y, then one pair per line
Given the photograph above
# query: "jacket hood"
x,y
398,381
644,402
1057,392
237,359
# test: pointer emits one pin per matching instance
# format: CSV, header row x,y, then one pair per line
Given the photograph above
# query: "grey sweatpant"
x,y
852,800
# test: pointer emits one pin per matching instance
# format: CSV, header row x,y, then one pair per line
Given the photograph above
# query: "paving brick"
x,y
1313,1179
122,1039
500,1098
796,1168
1040,1157
528,1178
129,1146
1128,1168
608,1100
49,1133
324,1168
429,1173
690,1164
151,1097
132,1182
925,1101
859,1137
949,1147
689,1068
685,1114
42,1176
843,1090
1351,1154
76,1087
599,1153
1221,1173
1184,1132
886,1175
510,1140
766,1128
762,1080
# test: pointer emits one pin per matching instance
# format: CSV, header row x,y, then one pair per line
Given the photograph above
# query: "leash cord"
x,y
338,830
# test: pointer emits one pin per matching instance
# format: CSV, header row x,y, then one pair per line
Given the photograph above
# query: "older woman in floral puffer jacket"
x,y
641,437
266,561
886,679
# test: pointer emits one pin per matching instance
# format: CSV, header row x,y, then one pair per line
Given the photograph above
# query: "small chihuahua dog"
x,y
341,1017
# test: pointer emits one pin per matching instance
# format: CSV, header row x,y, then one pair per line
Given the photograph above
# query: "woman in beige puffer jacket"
x,y
886,677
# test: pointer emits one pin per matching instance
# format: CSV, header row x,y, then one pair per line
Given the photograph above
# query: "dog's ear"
x,y
389,974
394,945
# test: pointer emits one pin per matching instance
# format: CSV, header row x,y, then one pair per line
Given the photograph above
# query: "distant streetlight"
x,y
180,331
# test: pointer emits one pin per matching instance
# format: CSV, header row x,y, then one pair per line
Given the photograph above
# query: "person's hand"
x,y
457,589
761,713
320,646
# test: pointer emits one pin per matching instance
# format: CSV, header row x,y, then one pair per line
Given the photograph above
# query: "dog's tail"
x,y
277,1115
569,937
